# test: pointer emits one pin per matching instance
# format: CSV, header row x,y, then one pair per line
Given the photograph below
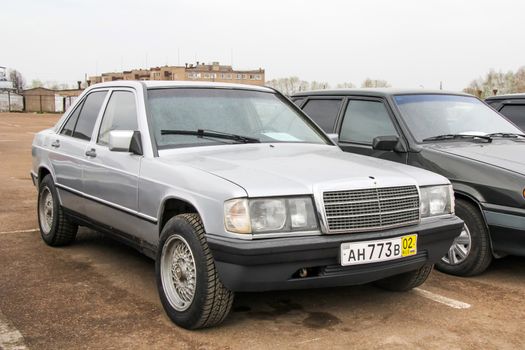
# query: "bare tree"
x,y
17,79
289,85
519,80
497,83
374,83
346,85
36,83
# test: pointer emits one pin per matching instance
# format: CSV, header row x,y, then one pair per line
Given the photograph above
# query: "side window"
x,y
516,114
120,114
88,115
72,121
365,120
323,112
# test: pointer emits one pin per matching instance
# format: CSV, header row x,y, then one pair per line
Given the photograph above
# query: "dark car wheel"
x,y
470,253
55,228
189,287
405,281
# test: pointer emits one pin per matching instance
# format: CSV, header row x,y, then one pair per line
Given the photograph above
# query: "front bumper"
x,y
272,264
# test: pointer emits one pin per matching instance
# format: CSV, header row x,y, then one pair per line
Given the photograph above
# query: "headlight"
x,y
436,200
263,215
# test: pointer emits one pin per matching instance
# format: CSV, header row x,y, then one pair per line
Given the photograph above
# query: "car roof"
x,y
152,84
383,92
506,96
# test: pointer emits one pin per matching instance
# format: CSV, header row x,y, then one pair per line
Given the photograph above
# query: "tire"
x,y
55,228
474,241
405,281
190,289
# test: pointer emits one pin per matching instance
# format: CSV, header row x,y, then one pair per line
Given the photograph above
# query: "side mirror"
x,y
334,137
125,141
385,143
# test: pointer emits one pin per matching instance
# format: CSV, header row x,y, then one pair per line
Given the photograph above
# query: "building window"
x,y
239,76
257,77
244,76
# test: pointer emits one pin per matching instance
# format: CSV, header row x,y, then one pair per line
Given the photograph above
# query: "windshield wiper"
x,y
457,137
212,133
506,134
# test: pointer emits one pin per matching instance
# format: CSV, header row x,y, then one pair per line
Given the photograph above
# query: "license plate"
x,y
367,252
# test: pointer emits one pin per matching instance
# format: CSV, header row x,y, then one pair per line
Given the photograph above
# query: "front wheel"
x,y
189,287
470,253
405,281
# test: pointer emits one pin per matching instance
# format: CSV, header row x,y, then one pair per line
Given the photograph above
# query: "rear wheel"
x,y
470,253
189,286
405,281
55,228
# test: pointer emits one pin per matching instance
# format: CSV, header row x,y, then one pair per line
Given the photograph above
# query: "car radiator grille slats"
x,y
368,209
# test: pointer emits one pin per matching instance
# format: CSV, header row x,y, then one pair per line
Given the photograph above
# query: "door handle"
x,y
91,153
55,144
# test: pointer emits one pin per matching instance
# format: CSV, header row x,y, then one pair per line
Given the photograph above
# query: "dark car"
x,y
511,106
453,134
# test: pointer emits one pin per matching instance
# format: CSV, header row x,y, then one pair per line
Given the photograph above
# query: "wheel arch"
x,y
172,206
458,194
44,171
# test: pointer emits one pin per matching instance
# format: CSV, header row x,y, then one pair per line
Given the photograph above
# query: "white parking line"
x,y
19,231
456,304
10,337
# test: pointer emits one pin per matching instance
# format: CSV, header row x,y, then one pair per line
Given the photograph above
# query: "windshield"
x,y
249,114
433,115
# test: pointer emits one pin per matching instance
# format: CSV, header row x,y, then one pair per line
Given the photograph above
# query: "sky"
x,y
408,43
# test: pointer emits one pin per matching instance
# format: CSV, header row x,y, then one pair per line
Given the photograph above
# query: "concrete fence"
x,y
11,102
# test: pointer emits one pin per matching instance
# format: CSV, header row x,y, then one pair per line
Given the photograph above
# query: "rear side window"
x,y
365,120
88,115
120,114
516,114
323,112
72,121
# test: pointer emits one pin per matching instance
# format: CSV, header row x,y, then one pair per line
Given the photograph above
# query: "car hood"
x,y
506,154
287,169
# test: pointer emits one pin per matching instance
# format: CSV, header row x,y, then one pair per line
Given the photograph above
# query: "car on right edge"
x,y
511,106
453,134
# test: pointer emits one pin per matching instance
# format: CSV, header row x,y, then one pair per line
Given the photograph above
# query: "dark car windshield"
x,y
430,115
250,114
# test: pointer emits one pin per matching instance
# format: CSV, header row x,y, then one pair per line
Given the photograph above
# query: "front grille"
x,y
369,209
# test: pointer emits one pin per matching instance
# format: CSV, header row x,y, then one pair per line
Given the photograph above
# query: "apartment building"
x,y
191,72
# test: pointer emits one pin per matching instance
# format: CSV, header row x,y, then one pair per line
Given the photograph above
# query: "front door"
x,y
111,178
363,120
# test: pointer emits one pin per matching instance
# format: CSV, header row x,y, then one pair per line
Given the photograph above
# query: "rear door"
x,y
324,111
69,146
364,119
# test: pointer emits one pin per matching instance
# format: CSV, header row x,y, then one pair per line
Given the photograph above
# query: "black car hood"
x,y
505,154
